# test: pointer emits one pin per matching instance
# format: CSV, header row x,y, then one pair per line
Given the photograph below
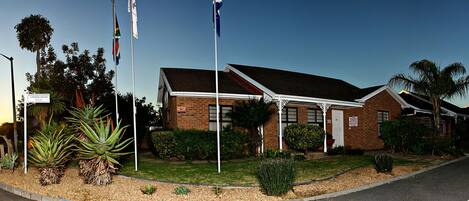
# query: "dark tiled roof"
x,y
446,105
413,100
301,84
197,80
365,91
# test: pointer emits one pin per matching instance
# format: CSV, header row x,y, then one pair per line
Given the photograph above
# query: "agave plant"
x,y
102,150
88,114
51,150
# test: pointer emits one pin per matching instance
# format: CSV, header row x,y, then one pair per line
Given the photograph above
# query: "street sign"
x,y
38,98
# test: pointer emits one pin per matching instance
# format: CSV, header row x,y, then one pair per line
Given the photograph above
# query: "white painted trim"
x,y
391,92
319,100
250,80
212,95
161,86
451,113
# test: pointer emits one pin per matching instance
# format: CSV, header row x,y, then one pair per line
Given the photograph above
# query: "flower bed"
x,y
73,188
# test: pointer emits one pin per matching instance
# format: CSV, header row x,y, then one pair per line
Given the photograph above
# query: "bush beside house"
x,y
304,137
199,144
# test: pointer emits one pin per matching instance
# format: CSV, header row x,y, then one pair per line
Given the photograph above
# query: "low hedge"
x,y
199,144
303,137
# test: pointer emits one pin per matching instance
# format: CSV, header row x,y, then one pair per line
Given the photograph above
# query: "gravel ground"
x,y
72,187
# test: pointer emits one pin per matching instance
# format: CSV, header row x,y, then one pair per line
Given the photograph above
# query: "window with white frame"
x,y
225,120
315,117
382,117
289,116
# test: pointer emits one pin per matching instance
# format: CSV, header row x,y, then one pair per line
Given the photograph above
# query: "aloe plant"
x,y
88,114
51,150
102,150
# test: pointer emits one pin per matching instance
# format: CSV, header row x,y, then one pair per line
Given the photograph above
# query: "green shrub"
x,y
148,189
198,144
181,190
354,152
8,161
164,143
339,150
276,176
403,135
383,163
272,153
303,137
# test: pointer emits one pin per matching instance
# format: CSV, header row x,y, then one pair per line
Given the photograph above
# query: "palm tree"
x,y
251,115
435,83
34,34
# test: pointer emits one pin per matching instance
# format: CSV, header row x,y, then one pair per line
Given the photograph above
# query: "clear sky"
x,y
361,41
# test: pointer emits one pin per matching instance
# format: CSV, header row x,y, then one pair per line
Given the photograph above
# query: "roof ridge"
x,y
295,72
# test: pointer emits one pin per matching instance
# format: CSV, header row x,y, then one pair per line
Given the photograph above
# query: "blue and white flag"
x,y
218,4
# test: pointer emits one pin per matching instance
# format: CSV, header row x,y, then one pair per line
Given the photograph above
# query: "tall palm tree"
x,y
34,33
435,83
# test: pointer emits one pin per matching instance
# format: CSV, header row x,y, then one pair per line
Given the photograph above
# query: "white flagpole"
x,y
133,85
216,86
115,57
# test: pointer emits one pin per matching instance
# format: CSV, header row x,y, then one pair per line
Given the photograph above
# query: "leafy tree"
x,y
250,115
34,33
434,82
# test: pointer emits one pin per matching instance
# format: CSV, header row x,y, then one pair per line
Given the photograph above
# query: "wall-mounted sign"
x,y
353,121
181,109
37,98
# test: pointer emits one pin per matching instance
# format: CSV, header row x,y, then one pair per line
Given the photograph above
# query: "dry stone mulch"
x,y
128,189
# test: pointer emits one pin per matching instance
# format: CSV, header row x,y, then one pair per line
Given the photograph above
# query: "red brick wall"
x,y
365,136
195,115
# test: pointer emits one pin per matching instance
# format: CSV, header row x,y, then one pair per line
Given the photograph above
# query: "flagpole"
x,y
133,87
114,55
216,86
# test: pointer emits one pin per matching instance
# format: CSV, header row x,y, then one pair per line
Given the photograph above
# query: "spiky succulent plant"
x,y
102,149
51,150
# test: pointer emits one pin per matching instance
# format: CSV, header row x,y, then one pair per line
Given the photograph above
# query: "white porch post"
x,y
324,108
261,129
280,135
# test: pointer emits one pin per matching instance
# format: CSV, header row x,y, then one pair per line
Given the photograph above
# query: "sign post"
x,y
30,98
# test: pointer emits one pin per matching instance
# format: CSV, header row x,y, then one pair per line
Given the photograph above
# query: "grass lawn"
x,y
240,173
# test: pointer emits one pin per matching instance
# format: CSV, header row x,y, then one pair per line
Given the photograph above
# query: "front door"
x,y
338,127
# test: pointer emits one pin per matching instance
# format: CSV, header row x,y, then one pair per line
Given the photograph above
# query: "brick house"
x,y
352,115
420,108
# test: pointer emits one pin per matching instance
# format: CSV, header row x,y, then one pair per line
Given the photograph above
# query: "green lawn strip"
x,y
241,173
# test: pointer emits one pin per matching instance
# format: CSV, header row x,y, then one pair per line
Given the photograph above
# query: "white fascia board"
x,y
252,81
451,113
163,82
318,100
374,93
391,92
212,95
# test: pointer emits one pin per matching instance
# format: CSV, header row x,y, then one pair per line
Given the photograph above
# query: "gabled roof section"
x,y
300,84
422,102
367,91
198,80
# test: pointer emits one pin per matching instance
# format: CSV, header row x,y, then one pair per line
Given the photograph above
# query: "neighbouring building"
x,y
420,108
352,115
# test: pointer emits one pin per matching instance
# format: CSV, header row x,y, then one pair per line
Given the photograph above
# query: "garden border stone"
x,y
27,194
376,184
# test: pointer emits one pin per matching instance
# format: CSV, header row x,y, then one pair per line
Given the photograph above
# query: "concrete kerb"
x,y
373,185
27,194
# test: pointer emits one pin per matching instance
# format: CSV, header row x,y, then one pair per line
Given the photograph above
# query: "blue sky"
x,y
363,42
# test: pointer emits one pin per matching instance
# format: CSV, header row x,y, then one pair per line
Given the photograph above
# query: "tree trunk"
x,y
436,103
38,62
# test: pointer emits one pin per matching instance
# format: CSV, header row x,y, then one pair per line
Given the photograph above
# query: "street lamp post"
x,y
15,133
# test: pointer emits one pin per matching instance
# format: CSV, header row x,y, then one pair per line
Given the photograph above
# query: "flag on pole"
x,y
218,4
116,54
132,8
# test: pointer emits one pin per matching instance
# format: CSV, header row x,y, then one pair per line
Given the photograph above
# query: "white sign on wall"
x,y
353,121
38,98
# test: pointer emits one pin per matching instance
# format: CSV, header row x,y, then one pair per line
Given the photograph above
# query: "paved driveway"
x,y
6,196
447,183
